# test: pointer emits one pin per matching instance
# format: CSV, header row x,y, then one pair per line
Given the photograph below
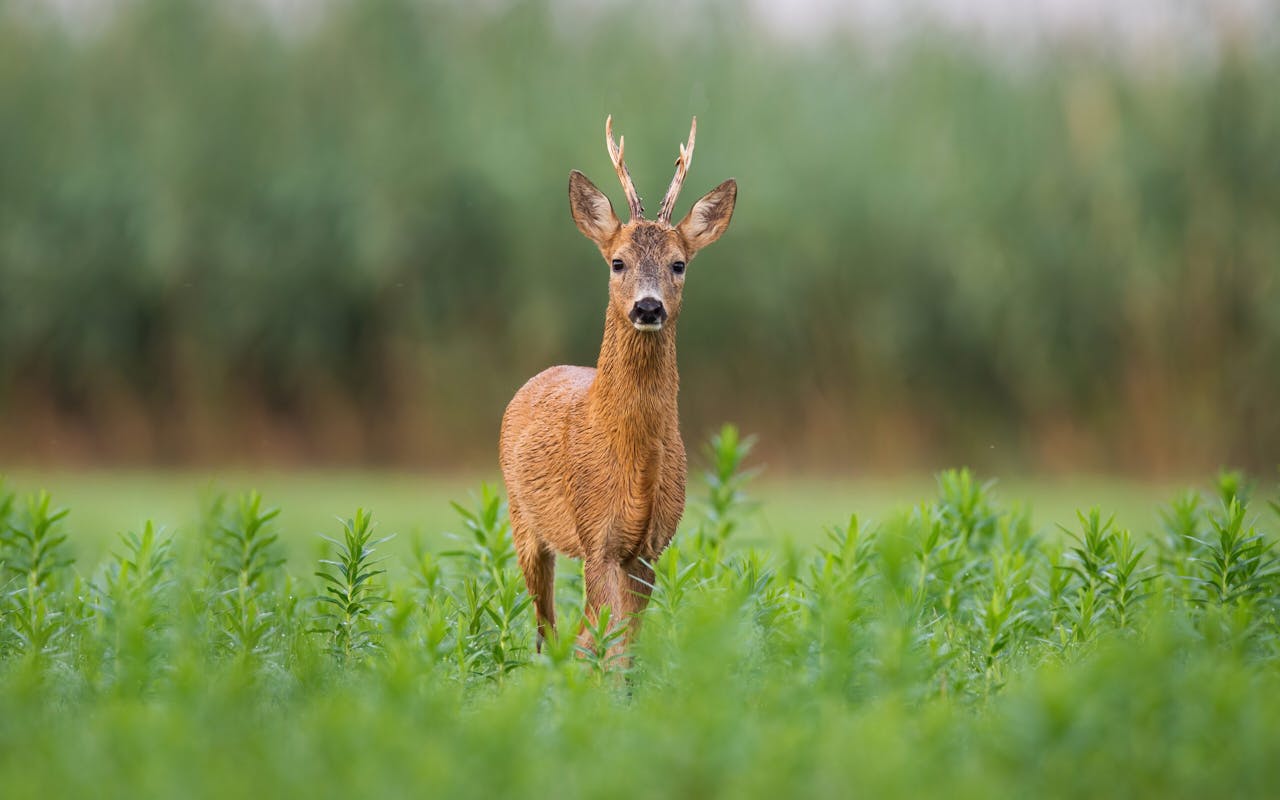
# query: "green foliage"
x,y
244,566
1108,574
34,558
349,587
7,499
951,649
1182,524
491,607
725,502
133,607
965,506
602,654
1238,563
490,550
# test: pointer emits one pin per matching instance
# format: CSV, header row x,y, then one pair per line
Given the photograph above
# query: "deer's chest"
x,y
620,495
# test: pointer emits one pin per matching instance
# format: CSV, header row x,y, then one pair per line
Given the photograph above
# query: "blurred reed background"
x,y
337,233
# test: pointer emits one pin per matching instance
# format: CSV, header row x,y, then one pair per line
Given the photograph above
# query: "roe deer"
x,y
592,458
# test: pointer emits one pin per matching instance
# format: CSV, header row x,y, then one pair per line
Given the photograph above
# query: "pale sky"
x,y
1131,29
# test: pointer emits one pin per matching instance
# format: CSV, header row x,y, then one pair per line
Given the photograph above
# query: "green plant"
x,y
35,558
133,604
1181,526
965,507
490,548
245,561
350,592
505,646
725,505
902,658
602,651
1238,563
1110,575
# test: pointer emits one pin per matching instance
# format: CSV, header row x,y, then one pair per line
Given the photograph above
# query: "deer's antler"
x,y
682,168
615,154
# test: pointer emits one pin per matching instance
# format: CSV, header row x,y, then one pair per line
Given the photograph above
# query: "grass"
x,y
953,647
105,503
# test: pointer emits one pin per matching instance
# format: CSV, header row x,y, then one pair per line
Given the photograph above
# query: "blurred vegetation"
x,y
345,237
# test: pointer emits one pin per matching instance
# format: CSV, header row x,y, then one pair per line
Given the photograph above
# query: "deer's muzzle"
x,y
648,314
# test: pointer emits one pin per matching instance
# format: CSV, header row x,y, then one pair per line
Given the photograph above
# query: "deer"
x,y
592,458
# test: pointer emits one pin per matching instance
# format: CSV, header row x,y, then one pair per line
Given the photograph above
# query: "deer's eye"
x,y
678,267
618,266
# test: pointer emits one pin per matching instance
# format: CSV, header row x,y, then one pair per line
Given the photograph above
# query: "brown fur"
x,y
592,458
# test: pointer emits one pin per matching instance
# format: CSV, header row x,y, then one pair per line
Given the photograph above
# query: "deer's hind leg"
x,y
538,563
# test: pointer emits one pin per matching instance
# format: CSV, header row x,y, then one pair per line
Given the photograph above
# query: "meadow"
x,y
330,238
416,506
953,644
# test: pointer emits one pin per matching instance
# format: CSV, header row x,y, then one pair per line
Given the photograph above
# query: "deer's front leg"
x,y
668,506
637,587
625,588
602,578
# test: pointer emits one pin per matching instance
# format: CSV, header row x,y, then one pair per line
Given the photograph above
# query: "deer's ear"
x,y
709,217
591,210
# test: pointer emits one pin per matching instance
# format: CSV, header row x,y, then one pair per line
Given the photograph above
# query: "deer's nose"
x,y
648,311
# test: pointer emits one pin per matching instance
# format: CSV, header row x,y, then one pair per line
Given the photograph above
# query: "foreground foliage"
x,y
953,648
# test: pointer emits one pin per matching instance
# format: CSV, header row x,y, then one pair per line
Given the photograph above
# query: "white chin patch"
x,y
648,327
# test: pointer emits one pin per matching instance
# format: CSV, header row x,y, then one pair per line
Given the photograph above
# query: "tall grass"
x,y
221,234
951,648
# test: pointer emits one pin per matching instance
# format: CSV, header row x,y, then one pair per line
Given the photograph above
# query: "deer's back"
x,y
535,451
536,421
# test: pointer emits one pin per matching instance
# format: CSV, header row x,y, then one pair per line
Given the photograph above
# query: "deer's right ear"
x,y
592,211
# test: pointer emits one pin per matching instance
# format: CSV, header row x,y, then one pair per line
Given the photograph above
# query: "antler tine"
x,y
624,175
682,168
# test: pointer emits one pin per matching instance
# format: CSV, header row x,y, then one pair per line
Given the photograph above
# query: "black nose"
x,y
648,311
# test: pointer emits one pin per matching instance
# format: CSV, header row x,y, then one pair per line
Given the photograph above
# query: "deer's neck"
x,y
633,397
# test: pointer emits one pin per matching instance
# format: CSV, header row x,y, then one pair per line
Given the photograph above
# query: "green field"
x,y
946,644
416,506
274,232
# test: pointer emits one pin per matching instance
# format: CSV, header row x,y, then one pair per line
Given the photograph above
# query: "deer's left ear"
x,y
709,217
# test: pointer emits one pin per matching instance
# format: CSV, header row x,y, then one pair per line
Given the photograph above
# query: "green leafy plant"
x,y
1109,570
245,561
1237,562
489,549
35,559
350,591
133,605
600,648
964,505
947,648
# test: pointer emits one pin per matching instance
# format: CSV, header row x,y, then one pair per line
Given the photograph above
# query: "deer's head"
x,y
648,258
